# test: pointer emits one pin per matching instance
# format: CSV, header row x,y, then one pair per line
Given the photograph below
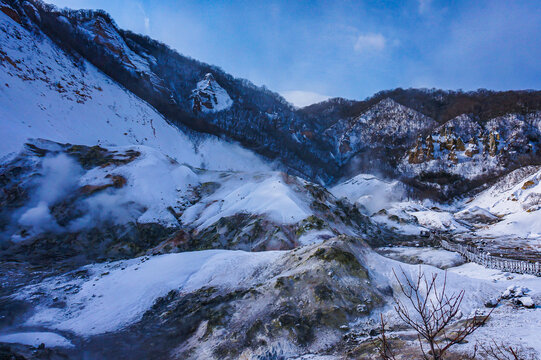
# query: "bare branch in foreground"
x,y
431,312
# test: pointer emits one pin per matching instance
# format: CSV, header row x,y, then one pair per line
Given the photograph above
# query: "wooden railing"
x,y
475,255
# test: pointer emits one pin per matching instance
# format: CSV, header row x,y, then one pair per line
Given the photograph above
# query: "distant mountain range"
x,y
324,142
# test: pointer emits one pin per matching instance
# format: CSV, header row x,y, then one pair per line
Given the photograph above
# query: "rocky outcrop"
x,y
472,148
387,123
496,140
10,12
209,96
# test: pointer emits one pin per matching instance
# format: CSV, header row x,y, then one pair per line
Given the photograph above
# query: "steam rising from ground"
x,y
151,185
58,178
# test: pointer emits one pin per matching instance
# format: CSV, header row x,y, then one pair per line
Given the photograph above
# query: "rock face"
x,y
497,138
385,124
475,152
209,96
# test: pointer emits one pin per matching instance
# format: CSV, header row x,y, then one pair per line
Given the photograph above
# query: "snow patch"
x,y
35,339
117,294
262,194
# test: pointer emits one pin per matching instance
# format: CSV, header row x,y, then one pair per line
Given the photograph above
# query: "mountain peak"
x,y
209,77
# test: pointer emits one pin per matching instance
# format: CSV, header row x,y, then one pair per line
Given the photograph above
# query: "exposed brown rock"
x,y
472,149
118,181
492,145
11,13
429,150
528,184
460,144
452,157
416,155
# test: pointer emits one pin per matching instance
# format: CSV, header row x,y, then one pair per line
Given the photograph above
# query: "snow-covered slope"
x,y
516,200
118,294
44,93
369,191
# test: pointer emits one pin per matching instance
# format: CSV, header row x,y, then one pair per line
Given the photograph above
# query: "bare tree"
x,y
498,351
431,312
384,349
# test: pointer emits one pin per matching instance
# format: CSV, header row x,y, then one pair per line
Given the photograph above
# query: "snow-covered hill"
x,y
516,201
47,94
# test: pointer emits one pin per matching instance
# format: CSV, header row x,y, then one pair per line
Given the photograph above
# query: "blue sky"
x,y
309,50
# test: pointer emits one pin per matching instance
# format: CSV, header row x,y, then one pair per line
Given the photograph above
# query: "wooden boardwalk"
x,y
475,255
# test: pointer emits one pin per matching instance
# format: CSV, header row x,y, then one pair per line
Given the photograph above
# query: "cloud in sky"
x,y
424,6
301,98
146,19
370,43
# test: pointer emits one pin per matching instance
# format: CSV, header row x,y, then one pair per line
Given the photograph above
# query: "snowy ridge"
x,y
44,94
386,122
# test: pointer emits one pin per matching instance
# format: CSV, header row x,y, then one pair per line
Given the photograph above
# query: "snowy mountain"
x,y
46,94
323,142
155,207
387,123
